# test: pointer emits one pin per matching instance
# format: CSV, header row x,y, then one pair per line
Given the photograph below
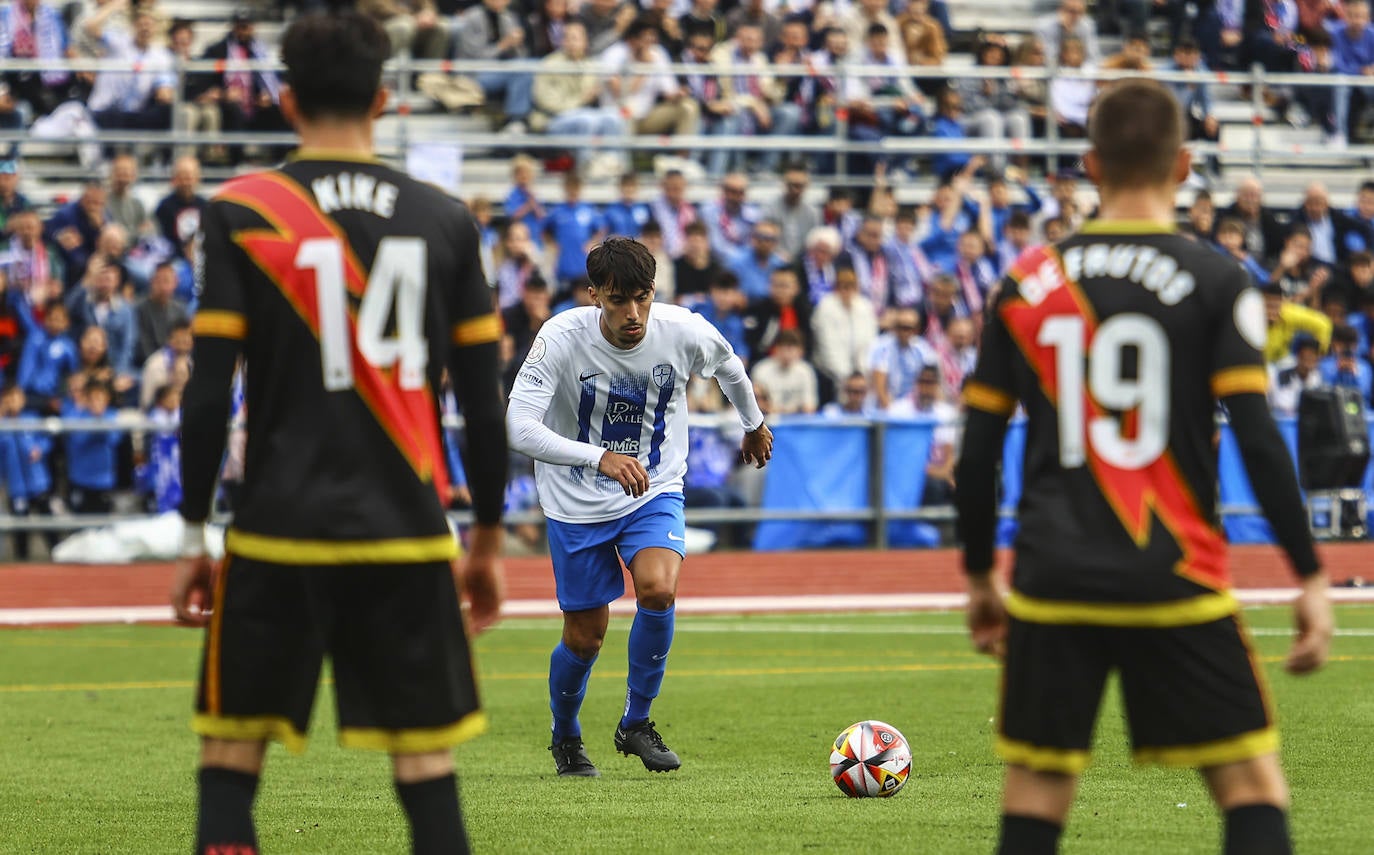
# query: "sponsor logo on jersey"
x,y
621,446
624,413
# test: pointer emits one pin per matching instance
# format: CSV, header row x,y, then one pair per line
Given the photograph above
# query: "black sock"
x,y
436,821
1028,835
1257,830
225,823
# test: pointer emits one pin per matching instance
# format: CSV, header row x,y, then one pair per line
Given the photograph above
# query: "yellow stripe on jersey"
x,y
479,330
1238,381
418,740
250,728
220,324
1066,761
989,400
286,550
1233,749
1203,608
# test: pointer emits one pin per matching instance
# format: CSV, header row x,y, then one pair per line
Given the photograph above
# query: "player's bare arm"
x,y
481,577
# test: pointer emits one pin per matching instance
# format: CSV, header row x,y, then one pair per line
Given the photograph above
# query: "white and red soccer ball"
x,y
870,758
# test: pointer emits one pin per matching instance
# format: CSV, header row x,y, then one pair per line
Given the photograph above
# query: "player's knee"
x,y
657,597
585,644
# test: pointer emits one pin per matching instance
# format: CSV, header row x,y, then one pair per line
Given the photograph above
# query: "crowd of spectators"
x,y
95,320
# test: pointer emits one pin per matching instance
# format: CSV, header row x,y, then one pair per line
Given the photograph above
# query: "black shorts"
x,y
1194,695
403,676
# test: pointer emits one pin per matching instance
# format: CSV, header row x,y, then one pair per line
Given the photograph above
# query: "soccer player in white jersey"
x,y
601,405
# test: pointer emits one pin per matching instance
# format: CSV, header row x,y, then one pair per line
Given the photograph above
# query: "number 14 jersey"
x,y
1119,342
350,284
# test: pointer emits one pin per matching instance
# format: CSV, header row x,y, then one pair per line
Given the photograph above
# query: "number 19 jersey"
x,y
349,284
1118,342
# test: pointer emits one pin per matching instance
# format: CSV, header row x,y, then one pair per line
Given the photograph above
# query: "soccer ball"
x,y
870,758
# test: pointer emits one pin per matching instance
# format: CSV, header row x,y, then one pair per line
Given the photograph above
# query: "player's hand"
x,y
481,578
627,471
191,591
757,446
1315,622
987,615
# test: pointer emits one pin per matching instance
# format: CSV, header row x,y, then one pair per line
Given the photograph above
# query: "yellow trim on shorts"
x,y
1239,380
980,396
417,740
220,324
1039,758
284,550
250,728
482,329
1203,608
1232,749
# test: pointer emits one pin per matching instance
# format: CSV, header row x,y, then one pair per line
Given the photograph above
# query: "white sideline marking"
x,y
689,605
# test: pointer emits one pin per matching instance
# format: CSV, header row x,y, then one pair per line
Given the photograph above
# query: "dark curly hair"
x,y
623,266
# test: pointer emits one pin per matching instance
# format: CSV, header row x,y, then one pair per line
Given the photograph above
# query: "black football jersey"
x,y
349,284
1118,342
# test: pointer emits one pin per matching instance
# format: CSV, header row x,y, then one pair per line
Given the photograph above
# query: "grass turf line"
x,y
751,704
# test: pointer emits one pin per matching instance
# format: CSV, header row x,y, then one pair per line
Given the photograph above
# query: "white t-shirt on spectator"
x,y
616,58
791,389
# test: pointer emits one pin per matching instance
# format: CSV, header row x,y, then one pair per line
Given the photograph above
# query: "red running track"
x,y
725,574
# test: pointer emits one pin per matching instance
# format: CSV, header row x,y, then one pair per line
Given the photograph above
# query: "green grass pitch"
x,y
97,757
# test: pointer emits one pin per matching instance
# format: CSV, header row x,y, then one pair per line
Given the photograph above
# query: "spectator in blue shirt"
x,y
1195,98
574,227
24,469
948,125
92,455
755,264
725,311
75,228
1343,367
1000,205
1353,44
520,202
49,357
97,304
951,214
627,216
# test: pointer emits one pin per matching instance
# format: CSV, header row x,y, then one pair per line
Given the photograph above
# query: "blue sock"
x,y
568,675
651,635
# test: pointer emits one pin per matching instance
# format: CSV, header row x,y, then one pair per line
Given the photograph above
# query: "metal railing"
x,y
835,141
877,514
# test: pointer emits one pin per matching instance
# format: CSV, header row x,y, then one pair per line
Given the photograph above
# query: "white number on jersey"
x,y
1147,394
397,279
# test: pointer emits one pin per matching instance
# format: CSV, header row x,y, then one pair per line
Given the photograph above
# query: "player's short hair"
x,y
622,266
1136,130
334,63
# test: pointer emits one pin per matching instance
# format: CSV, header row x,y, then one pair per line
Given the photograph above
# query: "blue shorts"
x,y
587,556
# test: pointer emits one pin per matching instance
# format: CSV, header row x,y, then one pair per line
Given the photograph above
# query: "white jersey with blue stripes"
x,y
630,401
